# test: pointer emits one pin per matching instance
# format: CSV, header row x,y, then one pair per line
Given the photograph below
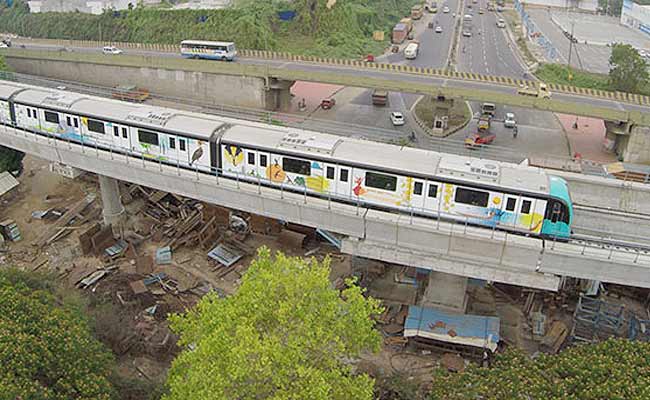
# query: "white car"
x,y
3,46
501,23
397,118
445,10
509,121
111,50
438,29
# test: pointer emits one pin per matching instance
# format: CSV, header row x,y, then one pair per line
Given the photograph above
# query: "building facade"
x,y
84,6
636,16
588,5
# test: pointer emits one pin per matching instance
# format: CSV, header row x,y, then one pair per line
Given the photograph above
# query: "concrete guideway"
x,y
439,246
400,78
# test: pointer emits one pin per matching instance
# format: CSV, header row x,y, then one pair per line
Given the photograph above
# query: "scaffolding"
x,y
596,320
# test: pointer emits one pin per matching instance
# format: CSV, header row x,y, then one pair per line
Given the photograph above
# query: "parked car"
x,y
501,23
445,10
111,50
509,121
3,45
438,29
397,118
326,104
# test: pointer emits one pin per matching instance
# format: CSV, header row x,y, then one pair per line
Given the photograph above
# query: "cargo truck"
x,y
408,22
379,97
416,12
541,91
400,31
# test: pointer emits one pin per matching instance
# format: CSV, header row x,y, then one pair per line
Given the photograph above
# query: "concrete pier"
x,y
113,210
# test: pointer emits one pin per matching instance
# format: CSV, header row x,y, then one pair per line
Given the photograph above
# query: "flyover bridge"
x,y
621,107
397,238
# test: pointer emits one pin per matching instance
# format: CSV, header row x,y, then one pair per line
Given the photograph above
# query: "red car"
x,y
326,104
476,140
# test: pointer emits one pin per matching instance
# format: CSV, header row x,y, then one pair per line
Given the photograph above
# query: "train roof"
x,y
156,118
384,156
8,89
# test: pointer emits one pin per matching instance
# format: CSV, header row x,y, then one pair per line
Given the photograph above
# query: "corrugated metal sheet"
x,y
461,329
7,182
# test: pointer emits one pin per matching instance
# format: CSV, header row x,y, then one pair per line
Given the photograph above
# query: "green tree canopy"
x,y
617,369
628,70
46,350
285,334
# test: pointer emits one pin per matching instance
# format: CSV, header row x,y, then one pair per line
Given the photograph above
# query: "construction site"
x,y
171,251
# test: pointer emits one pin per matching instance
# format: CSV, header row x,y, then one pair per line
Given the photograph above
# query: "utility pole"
x,y
573,22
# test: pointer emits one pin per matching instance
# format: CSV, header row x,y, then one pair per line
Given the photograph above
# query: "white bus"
x,y
411,51
208,50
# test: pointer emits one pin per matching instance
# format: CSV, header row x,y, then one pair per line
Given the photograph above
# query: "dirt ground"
x,y
135,293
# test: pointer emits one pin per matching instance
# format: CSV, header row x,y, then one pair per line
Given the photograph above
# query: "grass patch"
x,y
459,113
559,74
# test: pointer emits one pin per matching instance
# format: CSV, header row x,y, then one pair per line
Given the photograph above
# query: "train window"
x,y
330,173
381,181
417,188
344,175
472,197
96,126
433,191
525,206
68,121
251,158
510,204
172,143
181,144
262,160
34,114
296,166
116,131
76,122
148,137
125,134
52,117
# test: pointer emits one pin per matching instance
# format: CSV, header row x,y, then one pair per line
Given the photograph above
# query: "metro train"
x,y
504,196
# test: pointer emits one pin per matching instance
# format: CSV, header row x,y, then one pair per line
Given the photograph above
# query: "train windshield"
x,y
558,212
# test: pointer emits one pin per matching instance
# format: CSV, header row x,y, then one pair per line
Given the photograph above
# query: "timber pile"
x,y
61,227
178,221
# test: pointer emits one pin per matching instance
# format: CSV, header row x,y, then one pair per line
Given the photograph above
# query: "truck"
x,y
541,91
400,32
379,97
130,93
408,22
411,50
417,11
484,122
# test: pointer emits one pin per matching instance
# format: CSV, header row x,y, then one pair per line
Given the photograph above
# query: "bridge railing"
x,y
414,215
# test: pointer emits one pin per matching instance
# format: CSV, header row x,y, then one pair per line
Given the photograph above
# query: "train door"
x,y
120,137
251,162
330,179
509,211
431,198
183,151
263,164
417,197
344,183
172,148
72,126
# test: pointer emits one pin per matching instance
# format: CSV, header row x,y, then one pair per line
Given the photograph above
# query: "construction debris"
x,y
117,249
226,254
556,336
9,229
164,255
57,230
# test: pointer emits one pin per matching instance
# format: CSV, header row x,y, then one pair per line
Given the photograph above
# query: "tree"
x,y
614,369
285,334
47,350
628,70
10,159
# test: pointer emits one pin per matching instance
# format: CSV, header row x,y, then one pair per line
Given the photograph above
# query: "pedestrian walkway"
x,y
586,138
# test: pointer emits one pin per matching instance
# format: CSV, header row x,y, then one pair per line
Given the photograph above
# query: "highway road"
x,y
490,51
